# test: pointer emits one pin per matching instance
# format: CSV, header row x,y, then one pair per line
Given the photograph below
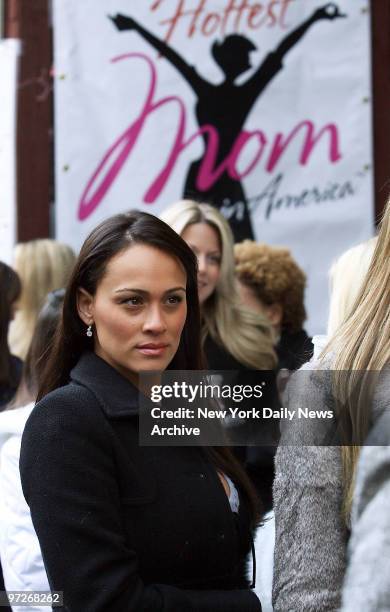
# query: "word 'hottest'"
x,y
236,14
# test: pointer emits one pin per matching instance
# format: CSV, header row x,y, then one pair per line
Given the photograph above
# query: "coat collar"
x,y
117,396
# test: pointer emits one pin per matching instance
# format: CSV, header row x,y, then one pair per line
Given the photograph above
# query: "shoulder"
x,y
69,408
68,400
311,383
217,356
66,429
380,406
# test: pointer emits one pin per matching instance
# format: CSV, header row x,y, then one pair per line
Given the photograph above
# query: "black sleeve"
x,y
70,483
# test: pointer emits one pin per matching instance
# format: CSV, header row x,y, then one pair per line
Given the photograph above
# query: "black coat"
x,y
7,392
294,349
258,461
126,528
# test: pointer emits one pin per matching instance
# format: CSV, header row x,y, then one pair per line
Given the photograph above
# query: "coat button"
x,y
202,475
221,537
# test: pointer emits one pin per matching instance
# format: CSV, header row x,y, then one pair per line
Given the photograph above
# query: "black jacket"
x,y
7,392
126,528
258,461
294,349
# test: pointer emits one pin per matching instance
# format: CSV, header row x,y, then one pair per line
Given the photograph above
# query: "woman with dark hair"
x,y
123,526
20,552
10,366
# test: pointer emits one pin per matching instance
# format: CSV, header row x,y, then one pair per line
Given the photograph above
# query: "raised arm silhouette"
x,y
226,106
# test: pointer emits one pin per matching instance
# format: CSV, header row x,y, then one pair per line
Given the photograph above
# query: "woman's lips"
x,y
153,350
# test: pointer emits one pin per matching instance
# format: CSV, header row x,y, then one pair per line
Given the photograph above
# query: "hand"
x,y
122,22
329,11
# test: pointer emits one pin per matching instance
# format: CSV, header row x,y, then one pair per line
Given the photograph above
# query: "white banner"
x,y
9,52
262,108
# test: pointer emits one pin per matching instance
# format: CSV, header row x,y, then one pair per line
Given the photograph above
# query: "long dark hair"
x,y
10,290
107,240
39,349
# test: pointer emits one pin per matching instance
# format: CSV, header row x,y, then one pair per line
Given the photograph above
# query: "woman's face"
x,y
204,241
138,311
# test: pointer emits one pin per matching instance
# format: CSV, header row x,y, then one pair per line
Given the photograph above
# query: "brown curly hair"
x,y
274,277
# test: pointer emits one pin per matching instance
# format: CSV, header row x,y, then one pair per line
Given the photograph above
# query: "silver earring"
x,y
89,331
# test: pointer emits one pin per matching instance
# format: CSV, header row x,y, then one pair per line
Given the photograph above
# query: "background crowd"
x,y
316,513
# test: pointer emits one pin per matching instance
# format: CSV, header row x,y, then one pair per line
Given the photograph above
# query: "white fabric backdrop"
x,y
9,51
317,206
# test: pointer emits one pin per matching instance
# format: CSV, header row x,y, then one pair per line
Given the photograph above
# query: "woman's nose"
x,y
202,263
155,320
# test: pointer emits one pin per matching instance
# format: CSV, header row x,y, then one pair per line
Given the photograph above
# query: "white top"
x,y
234,499
20,553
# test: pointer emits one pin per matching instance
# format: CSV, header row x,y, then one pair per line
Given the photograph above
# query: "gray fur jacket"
x,y
367,583
311,534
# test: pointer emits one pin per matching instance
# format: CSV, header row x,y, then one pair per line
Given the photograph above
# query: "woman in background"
x,y
10,366
314,485
43,266
272,283
346,278
123,526
233,338
20,553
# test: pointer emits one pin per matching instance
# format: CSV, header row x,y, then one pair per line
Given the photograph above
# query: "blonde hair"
x,y
43,266
346,278
362,343
252,342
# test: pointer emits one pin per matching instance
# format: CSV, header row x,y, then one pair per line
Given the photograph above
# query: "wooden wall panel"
x,y
380,20
29,21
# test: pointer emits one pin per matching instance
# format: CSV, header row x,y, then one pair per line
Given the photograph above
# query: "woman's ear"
x,y
85,306
275,314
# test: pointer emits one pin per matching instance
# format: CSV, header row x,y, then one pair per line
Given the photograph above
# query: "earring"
x,y
89,331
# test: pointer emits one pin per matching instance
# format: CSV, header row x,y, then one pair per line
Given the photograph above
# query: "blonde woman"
x,y
43,266
232,337
345,280
314,486
346,277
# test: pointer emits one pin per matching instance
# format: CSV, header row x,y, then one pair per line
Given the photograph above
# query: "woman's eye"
x,y
215,259
174,299
133,301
